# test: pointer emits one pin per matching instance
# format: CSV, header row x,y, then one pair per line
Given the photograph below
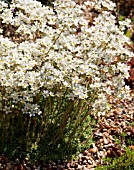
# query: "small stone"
x,y
72,165
85,152
68,165
90,162
80,167
93,150
50,166
53,163
101,140
132,130
105,141
80,155
50,162
104,130
1,167
86,157
85,162
60,167
87,167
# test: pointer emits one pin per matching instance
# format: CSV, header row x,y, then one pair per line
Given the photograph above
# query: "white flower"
x,y
45,56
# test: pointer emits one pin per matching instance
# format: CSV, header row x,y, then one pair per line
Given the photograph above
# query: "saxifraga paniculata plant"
x,y
56,71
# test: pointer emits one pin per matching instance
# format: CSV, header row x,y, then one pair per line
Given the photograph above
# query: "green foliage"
x,y
121,17
58,134
124,162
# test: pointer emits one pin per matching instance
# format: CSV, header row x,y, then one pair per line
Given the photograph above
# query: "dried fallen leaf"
x,y
131,147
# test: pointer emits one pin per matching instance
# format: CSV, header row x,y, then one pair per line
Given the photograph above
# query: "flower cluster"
x,y
44,54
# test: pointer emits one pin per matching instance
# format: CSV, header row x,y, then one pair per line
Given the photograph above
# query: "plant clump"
x,y
56,70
